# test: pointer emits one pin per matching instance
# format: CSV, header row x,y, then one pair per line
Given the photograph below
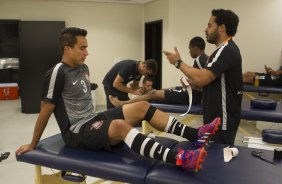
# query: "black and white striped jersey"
x,y
69,89
223,96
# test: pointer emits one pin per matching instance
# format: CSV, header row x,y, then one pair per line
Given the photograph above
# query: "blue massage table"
x,y
247,112
127,166
262,90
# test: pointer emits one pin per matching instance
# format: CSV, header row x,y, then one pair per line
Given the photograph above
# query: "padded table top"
x,y
127,166
247,112
178,108
262,89
243,169
124,165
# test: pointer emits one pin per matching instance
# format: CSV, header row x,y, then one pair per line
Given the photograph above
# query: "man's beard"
x,y
213,38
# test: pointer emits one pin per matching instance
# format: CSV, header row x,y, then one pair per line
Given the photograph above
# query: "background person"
x,y
122,73
271,78
147,85
221,79
176,95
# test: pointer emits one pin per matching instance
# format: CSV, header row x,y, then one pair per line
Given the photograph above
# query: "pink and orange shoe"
x,y
206,131
191,160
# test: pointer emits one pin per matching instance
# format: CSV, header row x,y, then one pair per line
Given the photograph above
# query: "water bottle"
x,y
256,83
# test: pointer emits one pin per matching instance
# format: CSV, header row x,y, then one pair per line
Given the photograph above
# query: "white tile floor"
x,y
16,128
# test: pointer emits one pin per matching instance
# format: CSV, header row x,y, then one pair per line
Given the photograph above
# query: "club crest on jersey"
x,y
96,125
87,77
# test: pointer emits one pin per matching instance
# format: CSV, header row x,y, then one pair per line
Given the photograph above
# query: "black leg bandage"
x,y
150,113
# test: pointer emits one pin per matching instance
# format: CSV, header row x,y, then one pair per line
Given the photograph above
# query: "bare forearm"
x,y
277,72
273,72
200,77
38,130
195,87
197,77
41,122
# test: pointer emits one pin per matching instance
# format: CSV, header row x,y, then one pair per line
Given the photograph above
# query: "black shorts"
x,y
180,96
94,133
268,81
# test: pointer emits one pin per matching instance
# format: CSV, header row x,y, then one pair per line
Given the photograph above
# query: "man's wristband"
x,y
177,63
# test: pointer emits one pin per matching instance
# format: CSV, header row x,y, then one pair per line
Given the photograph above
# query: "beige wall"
x,y
259,33
116,30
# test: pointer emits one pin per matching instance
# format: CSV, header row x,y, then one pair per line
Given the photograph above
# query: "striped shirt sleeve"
x,y
53,84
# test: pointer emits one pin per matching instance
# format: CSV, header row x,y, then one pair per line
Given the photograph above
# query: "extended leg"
x,y
189,160
150,96
139,111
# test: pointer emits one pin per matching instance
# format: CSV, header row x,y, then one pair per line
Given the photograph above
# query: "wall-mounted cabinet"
x,y
9,51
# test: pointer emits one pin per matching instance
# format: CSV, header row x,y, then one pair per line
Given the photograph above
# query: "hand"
x,y
24,148
172,57
267,69
270,71
137,92
142,91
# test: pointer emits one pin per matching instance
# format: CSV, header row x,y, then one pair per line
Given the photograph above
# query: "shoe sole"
x,y
218,122
202,155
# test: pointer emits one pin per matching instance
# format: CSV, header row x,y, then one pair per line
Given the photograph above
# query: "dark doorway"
x,y
153,47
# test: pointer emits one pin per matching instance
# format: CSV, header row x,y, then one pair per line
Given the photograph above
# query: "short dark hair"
x,y
147,78
151,64
68,36
228,18
198,42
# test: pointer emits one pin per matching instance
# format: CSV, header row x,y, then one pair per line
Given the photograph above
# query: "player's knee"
x,y
142,105
118,130
120,123
120,126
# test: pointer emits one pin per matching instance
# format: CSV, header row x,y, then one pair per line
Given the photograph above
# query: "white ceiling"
x,y
119,1
108,1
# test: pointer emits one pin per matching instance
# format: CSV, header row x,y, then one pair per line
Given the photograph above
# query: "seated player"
x,y
270,78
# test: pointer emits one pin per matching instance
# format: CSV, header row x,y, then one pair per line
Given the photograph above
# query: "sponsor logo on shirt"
x,y
73,83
